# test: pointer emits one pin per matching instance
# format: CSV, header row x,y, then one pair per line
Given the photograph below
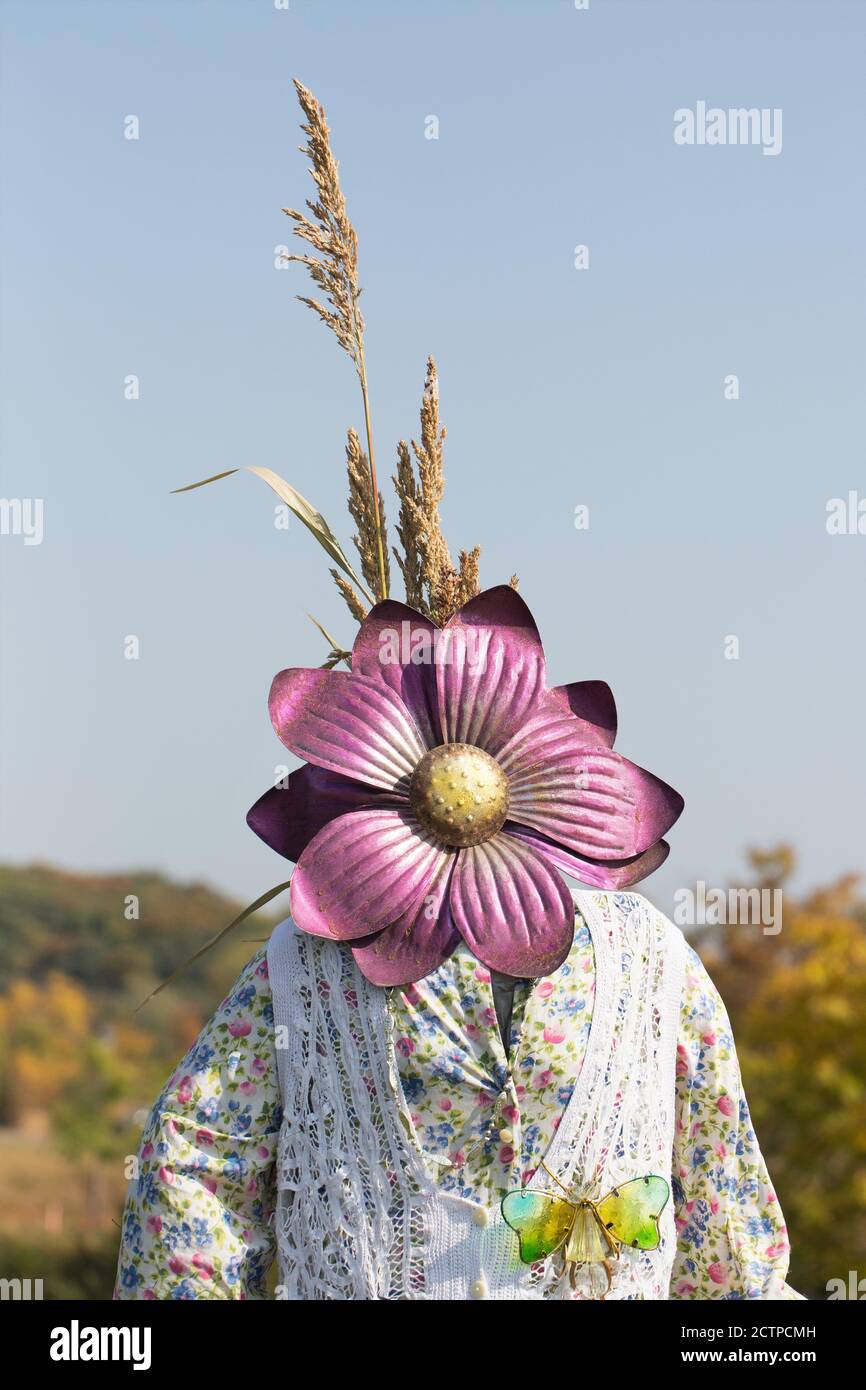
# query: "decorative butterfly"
x,y
583,1231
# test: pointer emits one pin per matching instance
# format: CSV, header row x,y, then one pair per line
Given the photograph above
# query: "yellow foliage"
x,y
50,1029
798,1009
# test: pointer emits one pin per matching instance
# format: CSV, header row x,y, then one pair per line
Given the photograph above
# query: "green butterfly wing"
x,y
631,1212
541,1220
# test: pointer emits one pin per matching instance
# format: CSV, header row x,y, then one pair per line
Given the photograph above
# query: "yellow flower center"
x,y
460,794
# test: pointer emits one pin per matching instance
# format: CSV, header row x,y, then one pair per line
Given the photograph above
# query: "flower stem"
x,y
374,487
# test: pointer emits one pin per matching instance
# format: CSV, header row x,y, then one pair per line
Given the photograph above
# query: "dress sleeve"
x,y
732,1240
198,1216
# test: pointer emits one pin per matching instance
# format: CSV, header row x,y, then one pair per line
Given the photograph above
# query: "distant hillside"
x,y
79,1068
75,924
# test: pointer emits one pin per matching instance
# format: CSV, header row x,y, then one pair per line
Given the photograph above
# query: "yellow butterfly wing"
x,y
631,1212
541,1220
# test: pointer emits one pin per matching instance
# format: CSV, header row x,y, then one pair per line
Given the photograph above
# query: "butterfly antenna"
x,y
551,1174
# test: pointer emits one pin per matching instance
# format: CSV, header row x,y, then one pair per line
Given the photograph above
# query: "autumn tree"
x,y
797,1002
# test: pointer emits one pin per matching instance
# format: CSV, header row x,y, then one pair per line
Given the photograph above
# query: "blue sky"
x,y
602,387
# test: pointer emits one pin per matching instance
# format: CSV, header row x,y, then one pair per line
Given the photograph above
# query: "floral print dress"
x,y
198,1217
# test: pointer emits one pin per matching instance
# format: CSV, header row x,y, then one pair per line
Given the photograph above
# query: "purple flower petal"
x,y
492,671
287,818
418,942
593,801
349,724
551,732
511,908
593,702
611,874
362,872
397,645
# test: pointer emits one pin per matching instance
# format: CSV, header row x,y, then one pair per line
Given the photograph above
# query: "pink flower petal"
x,y
492,673
363,872
593,702
349,724
549,734
287,818
418,941
513,910
611,874
592,801
396,645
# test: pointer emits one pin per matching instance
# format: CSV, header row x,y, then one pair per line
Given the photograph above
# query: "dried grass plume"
x,y
433,585
334,270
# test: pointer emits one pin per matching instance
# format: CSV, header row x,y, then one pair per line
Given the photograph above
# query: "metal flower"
x,y
444,789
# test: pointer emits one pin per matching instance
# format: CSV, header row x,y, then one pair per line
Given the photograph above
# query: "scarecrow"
x,y
448,1075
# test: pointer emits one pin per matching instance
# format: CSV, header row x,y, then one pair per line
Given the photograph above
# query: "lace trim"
x,y
360,1215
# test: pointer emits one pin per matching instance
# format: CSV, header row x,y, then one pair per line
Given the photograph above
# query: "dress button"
x,y
506,1136
479,1288
480,1217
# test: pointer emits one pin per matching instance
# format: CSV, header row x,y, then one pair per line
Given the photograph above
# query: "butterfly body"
x,y
588,1242
583,1231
